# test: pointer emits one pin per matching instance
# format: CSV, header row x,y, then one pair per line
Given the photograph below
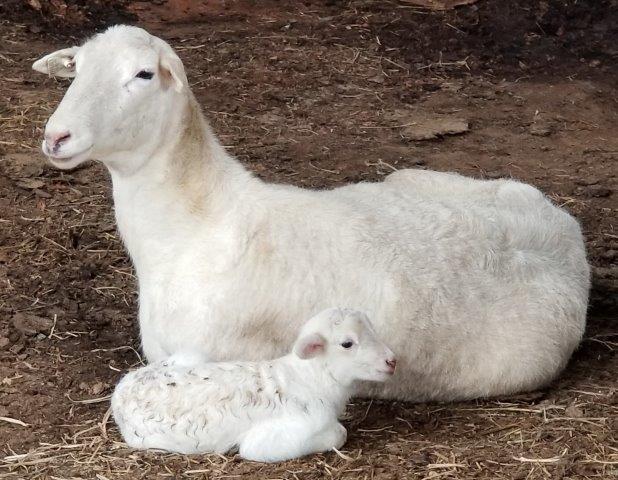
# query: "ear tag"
x,y
55,65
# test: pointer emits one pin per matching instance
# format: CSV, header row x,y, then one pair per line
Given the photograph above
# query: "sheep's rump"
x,y
488,282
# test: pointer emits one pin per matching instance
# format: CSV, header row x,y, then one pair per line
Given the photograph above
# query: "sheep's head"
x,y
345,341
125,85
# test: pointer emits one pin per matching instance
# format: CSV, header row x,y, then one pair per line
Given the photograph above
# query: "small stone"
x,y
573,411
17,348
586,181
97,388
41,193
4,341
30,325
540,129
30,183
597,191
432,128
419,458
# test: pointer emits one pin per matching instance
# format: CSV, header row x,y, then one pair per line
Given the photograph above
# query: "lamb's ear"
x,y
172,71
60,63
310,346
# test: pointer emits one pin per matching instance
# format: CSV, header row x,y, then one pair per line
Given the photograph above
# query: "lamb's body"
x,y
481,287
271,410
218,407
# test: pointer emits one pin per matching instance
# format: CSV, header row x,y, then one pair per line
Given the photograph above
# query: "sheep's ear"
x,y
310,346
172,71
60,63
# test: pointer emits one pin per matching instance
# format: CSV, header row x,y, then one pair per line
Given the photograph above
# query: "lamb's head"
x,y
126,85
345,342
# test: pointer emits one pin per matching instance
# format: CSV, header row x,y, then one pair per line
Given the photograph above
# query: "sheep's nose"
x,y
392,363
55,139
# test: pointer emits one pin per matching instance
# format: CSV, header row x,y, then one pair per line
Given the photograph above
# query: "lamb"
x,y
272,410
479,287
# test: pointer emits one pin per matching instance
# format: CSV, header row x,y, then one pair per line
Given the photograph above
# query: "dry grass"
x,y
499,440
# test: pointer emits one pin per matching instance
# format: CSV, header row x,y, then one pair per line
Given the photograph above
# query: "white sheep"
x,y
480,287
270,410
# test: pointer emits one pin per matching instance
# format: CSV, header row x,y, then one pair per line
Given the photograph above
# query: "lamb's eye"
x,y
145,74
347,344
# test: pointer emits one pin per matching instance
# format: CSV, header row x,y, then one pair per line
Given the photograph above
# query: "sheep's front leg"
x,y
284,439
190,358
153,350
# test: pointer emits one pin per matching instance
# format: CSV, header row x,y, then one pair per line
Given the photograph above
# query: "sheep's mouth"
x,y
69,161
62,158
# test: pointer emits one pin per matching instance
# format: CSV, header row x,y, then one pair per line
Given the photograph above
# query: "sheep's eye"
x,y
347,344
145,74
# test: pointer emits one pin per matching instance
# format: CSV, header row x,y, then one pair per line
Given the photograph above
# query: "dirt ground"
x,y
316,94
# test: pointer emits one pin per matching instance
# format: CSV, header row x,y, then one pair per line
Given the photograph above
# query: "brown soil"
x,y
317,94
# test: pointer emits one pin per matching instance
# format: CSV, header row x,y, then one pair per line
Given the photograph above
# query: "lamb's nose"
x,y
55,139
392,363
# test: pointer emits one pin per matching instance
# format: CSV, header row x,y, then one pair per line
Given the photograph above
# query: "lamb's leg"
x,y
333,436
284,439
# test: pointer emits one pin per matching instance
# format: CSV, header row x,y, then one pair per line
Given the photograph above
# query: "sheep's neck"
x,y
187,182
